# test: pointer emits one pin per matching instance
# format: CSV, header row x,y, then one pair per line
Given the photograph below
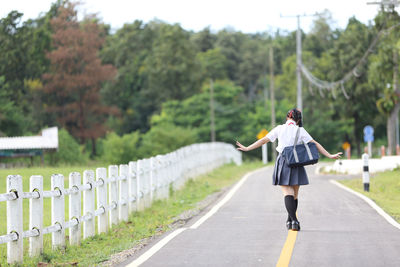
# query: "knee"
x,y
288,191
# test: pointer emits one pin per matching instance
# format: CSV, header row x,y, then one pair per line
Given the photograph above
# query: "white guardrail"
x,y
123,190
355,166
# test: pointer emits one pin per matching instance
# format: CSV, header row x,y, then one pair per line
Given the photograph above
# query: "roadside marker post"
x,y
365,176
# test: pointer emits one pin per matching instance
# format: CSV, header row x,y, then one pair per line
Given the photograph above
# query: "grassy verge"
x,y
141,224
384,190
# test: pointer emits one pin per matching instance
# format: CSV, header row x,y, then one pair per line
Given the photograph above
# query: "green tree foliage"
x,y
321,36
194,112
121,149
204,40
213,63
68,152
384,72
156,62
10,116
23,48
165,138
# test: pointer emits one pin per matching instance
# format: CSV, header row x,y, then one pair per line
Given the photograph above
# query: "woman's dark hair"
x,y
295,115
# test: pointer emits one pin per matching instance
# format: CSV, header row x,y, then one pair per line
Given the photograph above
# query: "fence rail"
x,y
119,191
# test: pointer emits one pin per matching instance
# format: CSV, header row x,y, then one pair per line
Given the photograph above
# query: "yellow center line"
x,y
286,253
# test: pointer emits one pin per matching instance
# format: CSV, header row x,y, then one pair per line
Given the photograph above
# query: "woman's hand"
x,y
335,156
241,147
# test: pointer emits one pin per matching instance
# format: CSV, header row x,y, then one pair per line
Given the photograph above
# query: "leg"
x,y
288,192
296,191
296,195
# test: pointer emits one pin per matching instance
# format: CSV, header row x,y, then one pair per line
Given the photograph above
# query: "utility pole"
x,y
272,92
385,3
298,71
298,56
212,115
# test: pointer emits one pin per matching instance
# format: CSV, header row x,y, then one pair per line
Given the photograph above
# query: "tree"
x,y
10,116
384,70
165,138
23,48
336,62
121,150
76,75
321,36
253,65
204,40
156,62
193,112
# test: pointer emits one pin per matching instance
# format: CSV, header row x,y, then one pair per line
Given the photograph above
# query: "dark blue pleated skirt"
x,y
285,175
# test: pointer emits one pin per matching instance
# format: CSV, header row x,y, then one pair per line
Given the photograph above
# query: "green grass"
x,y
140,225
384,190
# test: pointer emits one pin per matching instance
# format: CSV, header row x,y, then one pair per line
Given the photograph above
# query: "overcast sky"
x,y
249,16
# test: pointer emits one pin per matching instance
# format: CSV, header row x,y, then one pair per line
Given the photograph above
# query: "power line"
x,y
331,86
298,60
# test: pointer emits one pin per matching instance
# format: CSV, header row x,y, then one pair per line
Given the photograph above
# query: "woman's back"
x,y
286,134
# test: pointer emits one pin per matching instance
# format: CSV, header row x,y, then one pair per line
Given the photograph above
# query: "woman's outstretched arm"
x,y
323,151
255,145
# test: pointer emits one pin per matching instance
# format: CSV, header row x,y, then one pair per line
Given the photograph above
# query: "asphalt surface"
x,y
337,229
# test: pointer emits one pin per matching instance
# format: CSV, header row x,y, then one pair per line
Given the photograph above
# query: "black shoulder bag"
x,y
302,154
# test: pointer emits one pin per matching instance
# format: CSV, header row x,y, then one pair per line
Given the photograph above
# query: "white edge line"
x,y
224,200
145,256
378,209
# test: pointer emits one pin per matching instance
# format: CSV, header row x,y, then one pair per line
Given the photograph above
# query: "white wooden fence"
x,y
120,191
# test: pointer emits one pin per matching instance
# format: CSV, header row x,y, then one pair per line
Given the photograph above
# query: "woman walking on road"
x,y
289,178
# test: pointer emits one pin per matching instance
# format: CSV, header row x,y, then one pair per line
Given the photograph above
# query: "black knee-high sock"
x,y
291,207
296,203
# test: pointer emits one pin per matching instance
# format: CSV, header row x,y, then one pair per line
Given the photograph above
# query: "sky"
x,y
248,16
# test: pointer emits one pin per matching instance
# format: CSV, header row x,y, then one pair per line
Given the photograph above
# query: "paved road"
x,y
338,229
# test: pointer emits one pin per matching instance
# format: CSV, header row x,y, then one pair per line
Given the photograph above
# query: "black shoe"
x,y
295,226
289,225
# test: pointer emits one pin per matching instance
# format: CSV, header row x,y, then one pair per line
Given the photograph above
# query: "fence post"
x,y
113,193
146,183
123,193
133,187
163,178
102,222
157,177
88,204
152,178
139,185
15,249
58,211
75,208
36,216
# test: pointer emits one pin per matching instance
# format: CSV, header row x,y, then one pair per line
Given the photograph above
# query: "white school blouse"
x,y
286,133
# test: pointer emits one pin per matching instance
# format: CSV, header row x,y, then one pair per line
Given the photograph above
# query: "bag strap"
x,y
296,158
297,137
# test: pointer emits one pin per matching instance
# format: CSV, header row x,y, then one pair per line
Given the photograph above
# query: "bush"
x,y
121,150
164,138
69,151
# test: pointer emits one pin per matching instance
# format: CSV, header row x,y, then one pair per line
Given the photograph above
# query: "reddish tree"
x,y
76,75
